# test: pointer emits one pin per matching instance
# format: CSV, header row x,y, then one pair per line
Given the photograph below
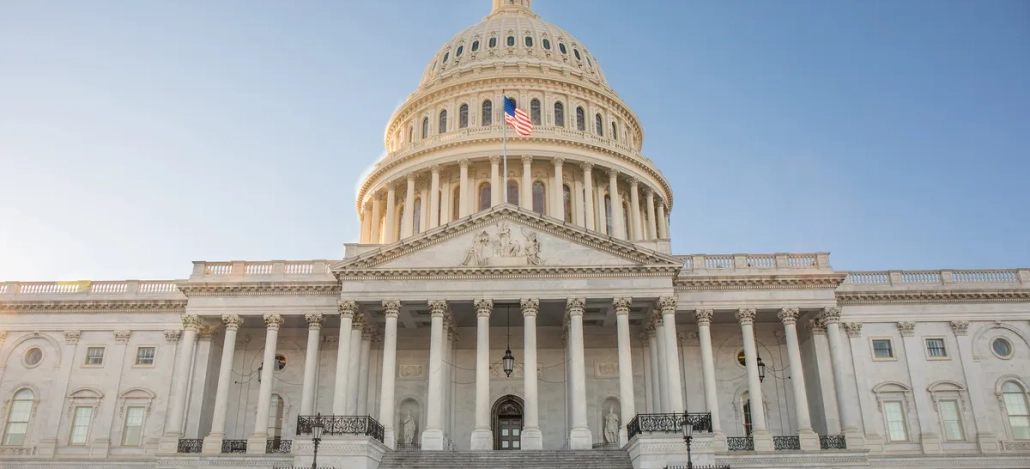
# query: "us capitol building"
x,y
561,261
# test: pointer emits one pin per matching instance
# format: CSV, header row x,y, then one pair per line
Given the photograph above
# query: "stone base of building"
x,y
580,438
658,450
432,440
532,438
482,440
350,452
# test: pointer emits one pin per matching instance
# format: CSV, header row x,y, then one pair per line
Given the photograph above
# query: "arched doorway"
x,y
507,423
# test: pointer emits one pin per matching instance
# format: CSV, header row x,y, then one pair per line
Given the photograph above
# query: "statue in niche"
x,y
611,426
408,430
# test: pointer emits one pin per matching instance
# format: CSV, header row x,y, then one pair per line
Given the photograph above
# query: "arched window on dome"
x,y
598,125
18,418
484,196
615,131
488,113
439,209
425,127
458,52
561,47
443,122
539,197
446,55
534,111
399,222
581,124
475,46
513,192
416,222
547,44
493,42
463,116
455,201
511,41
411,133
625,220
574,52
529,41
608,214
559,114
567,199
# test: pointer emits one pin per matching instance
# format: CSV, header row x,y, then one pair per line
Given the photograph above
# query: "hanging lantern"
x,y
509,362
761,370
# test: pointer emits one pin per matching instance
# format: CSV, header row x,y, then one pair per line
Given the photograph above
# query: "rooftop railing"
x,y
708,263
149,288
259,269
917,278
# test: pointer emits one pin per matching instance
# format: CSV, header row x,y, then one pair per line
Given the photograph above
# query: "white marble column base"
x,y
809,440
931,443
763,440
854,438
256,444
532,438
212,445
580,438
432,439
482,439
168,444
988,443
389,439
719,442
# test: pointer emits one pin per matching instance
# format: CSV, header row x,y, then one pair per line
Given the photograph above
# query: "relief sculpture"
x,y
502,250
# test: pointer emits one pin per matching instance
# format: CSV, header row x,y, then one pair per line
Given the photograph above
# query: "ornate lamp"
x,y
508,360
316,438
688,434
761,370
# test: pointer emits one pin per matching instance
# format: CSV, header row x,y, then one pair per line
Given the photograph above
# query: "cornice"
x,y
325,288
932,296
90,306
827,281
459,273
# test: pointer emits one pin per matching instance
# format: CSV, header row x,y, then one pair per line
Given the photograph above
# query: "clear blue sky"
x,y
137,136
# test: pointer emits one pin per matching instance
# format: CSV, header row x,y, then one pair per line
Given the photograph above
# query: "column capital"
x,y
788,315
122,337
463,163
558,161
587,166
781,337
527,159
191,322
622,305
574,306
314,321
496,159
633,183
391,308
746,316
907,328
347,308
359,322
704,316
816,326
273,321
613,173
171,336
368,333
530,307
667,304
435,169
437,308
959,327
411,176
232,322
854,329
648,192
207,331
687,337
484,306
830,315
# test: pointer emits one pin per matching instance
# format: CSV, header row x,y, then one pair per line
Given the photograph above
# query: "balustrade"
x,y
832,442
787,442
341,425
938,277
234,446
740,443
190,445
277,445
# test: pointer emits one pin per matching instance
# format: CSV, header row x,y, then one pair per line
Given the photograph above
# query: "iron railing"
x,y
234,446
341,425
786,442
740,443
669,423
277,445
832,442
190,445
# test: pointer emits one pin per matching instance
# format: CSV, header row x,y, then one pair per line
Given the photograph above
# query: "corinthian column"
x,y
809,439
256,443
532,438
652,226
663,228
354,368
579,437
672,362
213,442
656,370
634,209
704,335
848,419
408,222
434,197
663,374
391,214
432,436
759,431
391,308
588,199
348,309
526,192
377,205
307,395
558,200
618,224
626,397
496,191
482,437
365,356
176,408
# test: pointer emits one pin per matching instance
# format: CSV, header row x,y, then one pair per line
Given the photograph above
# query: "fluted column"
x,y
588,199
652,226
463,188
672,361
663,228
391,214
307,395
256,443
448,378
496,189
853,435
482,437
634,209
579,437
432,436
176,408
434,197
985,439
526,191
558,194
704,335
663,365
408,222
626,397
391,308
532,438
348,309
213,442
618,224
809,439
354,368
759,430
363,359
656,370
377,209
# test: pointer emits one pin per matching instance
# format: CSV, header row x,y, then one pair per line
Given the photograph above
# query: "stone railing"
x,y
923,278
156,289
203,270
341,425
749,263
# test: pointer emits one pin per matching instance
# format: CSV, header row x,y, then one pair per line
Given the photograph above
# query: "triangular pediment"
x,y
507,237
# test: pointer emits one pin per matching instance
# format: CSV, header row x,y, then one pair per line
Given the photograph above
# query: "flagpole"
x,y
504,149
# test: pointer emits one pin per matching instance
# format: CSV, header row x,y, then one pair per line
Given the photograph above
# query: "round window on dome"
x,y
561,47
547,44
1001,348
574,52
475,46
458,52
493,42
511,41
33,356
529,41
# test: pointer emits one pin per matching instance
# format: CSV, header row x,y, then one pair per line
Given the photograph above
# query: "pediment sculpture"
x,y
502,250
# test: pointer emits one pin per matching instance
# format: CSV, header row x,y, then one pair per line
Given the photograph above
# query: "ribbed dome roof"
x,y
512,33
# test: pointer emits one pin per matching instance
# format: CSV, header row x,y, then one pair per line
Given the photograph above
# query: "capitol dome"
x,y
446,144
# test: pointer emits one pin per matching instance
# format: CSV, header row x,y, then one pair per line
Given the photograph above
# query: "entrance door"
x,y
509,432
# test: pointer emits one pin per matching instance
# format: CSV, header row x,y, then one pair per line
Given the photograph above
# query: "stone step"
x,y
608,459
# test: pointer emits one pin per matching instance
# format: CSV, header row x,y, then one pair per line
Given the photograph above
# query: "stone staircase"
x,y
608,459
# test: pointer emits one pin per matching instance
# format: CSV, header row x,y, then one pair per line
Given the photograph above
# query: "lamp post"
x,y
761,370
688,434
316,438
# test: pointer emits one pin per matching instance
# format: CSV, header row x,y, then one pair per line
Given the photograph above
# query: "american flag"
x,y
517,118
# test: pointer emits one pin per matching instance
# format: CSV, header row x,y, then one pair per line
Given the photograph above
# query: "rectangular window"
x,y
133,426
18,423
80,425
896,430
882,348
95,356
1019,420
145,356
951,420
935,348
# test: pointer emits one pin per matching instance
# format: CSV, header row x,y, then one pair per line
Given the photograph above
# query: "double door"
x,y
509,432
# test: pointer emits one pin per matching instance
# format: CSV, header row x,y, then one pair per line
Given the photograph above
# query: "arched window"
x,y
484,196
539,196
463,116
625,219
746,408
513,192
455,201
559,114
561,47
18,418
400,221
425,127
488,113
493,42
567,194
275,421
458,52
475,46
547,44
608,214
411,133
446,55
534,111
574,51
529,41
416,223
443,122
511,41
581,124
1016,407
598,126
615,131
